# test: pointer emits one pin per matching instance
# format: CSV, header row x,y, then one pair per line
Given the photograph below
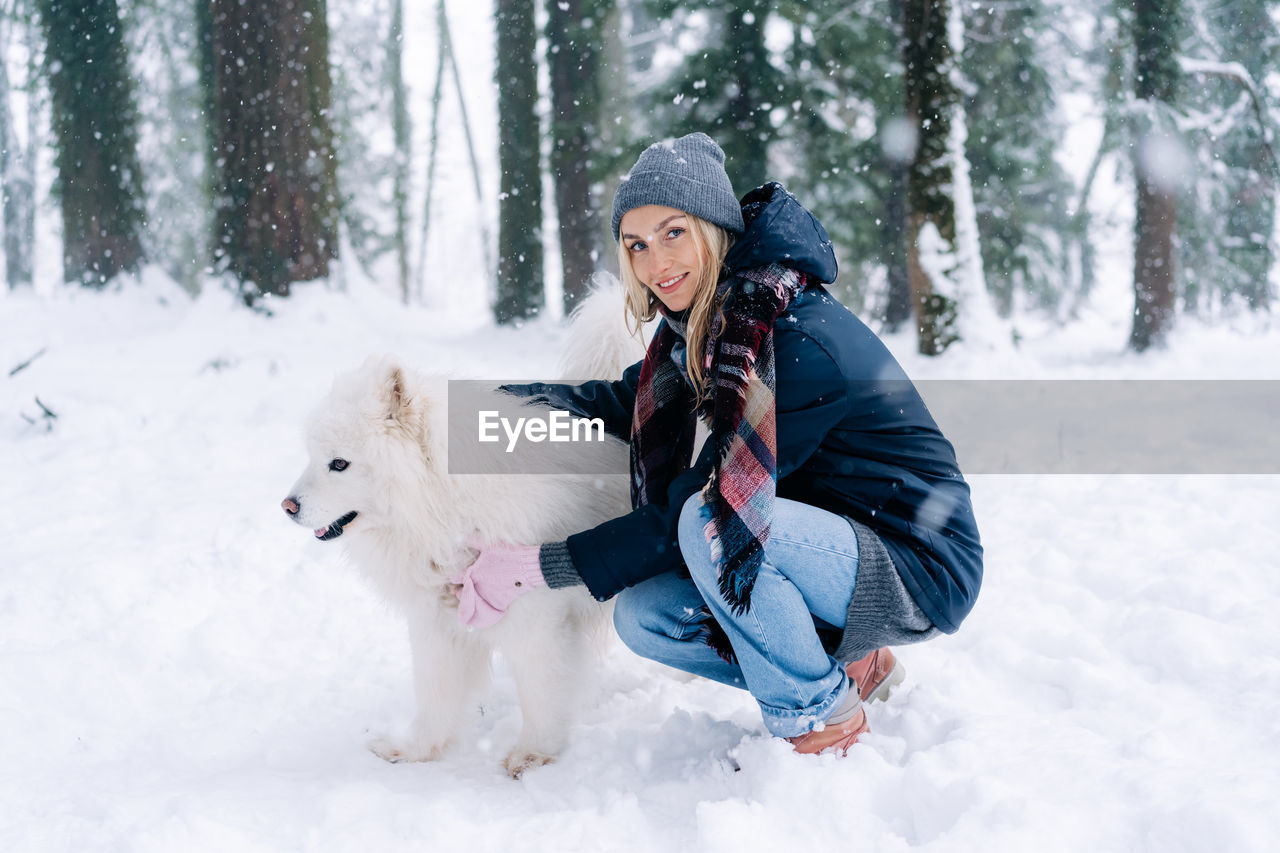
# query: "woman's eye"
x,y
637,246
674,233
338,464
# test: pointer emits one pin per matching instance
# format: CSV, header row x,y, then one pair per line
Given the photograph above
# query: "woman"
x,y
825,517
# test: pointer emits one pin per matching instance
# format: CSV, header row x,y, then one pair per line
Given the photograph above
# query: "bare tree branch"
x,y
27,363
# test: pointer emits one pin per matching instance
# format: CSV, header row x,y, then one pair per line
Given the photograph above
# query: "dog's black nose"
x,y
290,506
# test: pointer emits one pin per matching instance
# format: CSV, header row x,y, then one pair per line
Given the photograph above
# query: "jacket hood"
x,y
779,230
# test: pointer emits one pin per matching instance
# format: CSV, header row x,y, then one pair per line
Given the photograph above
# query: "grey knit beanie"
x,y
687,174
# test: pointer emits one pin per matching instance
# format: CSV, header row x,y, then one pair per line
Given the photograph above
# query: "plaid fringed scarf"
x,y
739,363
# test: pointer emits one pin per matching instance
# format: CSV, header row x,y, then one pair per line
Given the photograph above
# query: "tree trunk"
x,y
520,285
27,219
17,191
898,308
276,186
99,181
400,135
575,46
930,102
1156,38
433,147
1153,264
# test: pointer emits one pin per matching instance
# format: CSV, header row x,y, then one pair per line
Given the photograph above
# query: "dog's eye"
x,y
338,464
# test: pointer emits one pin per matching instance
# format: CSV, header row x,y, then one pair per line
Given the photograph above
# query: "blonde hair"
x,y
712,243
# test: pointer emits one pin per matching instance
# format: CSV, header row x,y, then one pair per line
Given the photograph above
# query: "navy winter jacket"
x,y
854,437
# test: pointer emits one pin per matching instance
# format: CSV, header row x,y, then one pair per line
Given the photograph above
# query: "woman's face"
x,y
663,253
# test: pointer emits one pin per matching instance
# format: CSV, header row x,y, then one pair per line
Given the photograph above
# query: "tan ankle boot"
x,y
876,674
837,738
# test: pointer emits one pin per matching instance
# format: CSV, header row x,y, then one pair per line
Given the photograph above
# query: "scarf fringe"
x,y
716,638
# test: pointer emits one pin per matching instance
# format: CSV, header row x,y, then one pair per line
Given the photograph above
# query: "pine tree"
x,y
172,138
1157,35
1020,190
368,132
1225,251
754,89
575,46
99,181
727,88
277,202
617,144
845,102
520,280
1108,51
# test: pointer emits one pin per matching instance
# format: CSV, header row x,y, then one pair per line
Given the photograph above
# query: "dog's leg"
x,y
548,657
448,668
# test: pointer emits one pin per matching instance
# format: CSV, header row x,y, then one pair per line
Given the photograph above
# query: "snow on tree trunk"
x,y
944,259
931,227
976,317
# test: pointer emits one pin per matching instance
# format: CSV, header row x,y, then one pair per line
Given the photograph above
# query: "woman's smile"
x,y
669,285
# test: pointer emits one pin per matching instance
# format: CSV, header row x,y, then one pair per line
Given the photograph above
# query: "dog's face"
x,y
362,433
335,486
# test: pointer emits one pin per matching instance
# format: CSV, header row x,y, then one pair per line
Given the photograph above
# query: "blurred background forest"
x,y
968,159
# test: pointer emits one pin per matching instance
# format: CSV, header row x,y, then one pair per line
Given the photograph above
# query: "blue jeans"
x,y
806,580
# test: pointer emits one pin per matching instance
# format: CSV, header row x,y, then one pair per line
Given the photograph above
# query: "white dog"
x,y
378,478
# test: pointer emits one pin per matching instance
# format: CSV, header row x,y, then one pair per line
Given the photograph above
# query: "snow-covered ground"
x,y
181,668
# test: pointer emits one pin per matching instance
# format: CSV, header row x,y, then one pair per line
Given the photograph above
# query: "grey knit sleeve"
x,y
557,566
882,611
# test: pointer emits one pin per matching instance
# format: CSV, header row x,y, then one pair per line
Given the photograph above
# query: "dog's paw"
x,y
519,760
397,750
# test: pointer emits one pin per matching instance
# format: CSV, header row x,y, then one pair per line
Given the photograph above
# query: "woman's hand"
x,y
499,575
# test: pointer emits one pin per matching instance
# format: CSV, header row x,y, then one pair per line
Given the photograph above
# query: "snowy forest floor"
x,y
183,669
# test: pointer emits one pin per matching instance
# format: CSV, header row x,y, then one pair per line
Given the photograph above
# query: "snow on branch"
x,y
1236,71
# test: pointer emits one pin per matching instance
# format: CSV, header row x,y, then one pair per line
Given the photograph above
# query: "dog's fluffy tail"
x,y
600,345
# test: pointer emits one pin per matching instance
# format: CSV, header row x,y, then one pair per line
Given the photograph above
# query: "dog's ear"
x,y
395,396
405,403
